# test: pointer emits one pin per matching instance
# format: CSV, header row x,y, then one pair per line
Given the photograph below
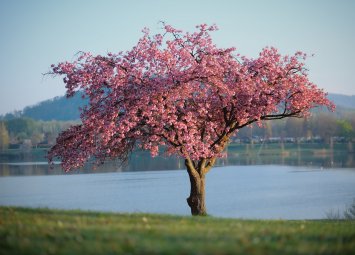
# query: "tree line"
x,y
321,127
26,132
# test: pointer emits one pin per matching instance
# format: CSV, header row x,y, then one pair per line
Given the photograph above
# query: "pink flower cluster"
x,y
179,91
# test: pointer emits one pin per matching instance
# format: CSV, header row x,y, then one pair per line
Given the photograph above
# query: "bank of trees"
x,y
17,131
4,137
321,127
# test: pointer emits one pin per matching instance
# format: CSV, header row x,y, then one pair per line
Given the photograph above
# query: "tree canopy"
x,y
180,91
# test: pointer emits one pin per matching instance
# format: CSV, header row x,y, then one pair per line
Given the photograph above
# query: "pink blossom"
x,y
180,91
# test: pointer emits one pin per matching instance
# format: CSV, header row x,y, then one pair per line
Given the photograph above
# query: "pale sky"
x,y
35,34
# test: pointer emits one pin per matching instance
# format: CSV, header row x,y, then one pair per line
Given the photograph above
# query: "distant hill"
x,y
61,108
58,108
342,100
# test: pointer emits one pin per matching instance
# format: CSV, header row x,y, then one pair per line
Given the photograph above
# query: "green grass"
x,y
42,231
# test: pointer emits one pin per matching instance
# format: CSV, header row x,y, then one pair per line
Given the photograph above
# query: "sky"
x,y
35,34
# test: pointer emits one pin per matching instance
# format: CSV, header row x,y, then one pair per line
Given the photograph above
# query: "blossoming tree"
x,y
180,92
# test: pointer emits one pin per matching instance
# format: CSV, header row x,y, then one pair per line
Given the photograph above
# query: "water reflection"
x,y
313,155
140,161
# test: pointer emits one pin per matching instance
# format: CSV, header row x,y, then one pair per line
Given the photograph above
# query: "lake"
x,y
314,155
257,191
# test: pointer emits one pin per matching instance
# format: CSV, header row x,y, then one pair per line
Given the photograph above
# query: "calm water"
x,y
268,192
304,155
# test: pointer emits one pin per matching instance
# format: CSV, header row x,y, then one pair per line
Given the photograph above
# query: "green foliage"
x,y
4,136
345,128
322,125
24,126
31,231
37,131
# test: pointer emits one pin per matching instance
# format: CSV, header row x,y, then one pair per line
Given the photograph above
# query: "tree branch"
x,y
190,167
209,165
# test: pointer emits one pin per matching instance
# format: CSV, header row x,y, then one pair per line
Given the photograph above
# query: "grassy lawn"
x,y
42,231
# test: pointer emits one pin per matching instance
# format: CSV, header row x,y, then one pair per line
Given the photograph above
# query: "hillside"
x,y
342,100
61,108
58,108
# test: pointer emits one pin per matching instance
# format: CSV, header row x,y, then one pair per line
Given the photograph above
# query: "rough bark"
x,y
197,173
196,200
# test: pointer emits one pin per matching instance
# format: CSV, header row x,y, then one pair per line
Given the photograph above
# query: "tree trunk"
x,y
196,200
197,171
